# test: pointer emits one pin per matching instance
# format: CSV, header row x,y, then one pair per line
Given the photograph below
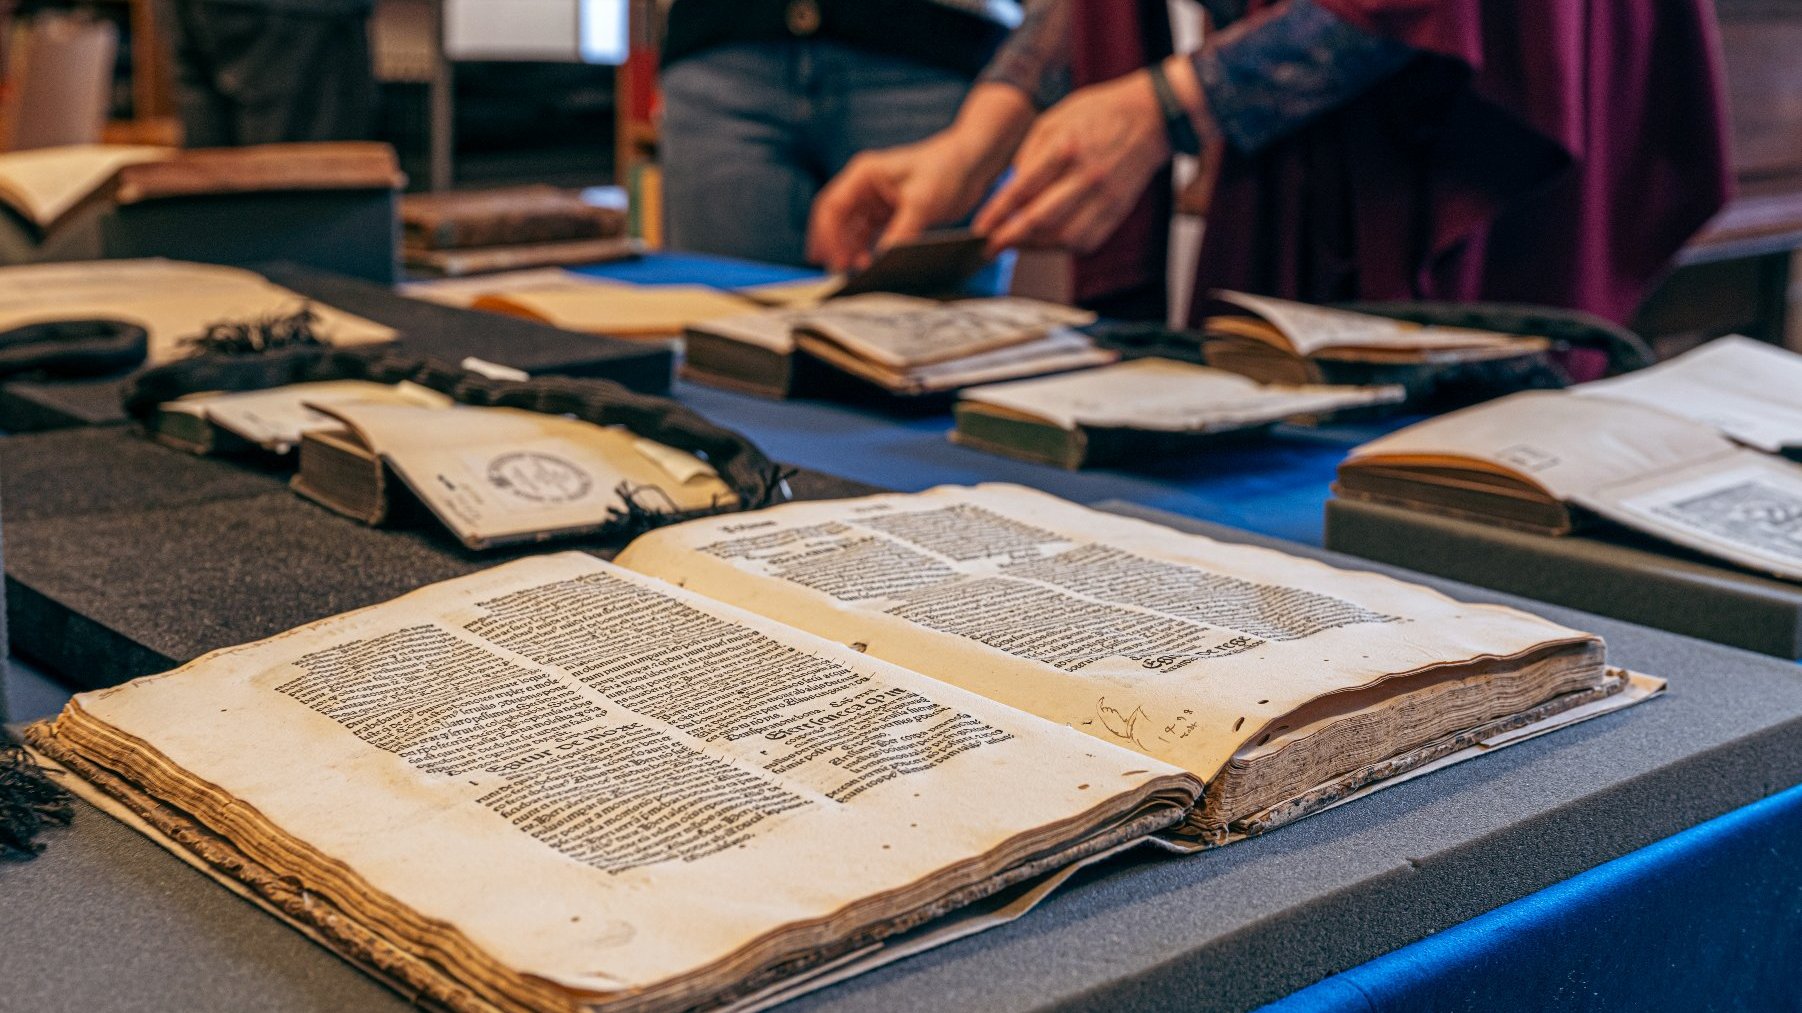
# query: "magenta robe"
x,y
1556,152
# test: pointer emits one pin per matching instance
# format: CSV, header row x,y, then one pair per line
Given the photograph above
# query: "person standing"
x,y
765,100
267,71
1547,151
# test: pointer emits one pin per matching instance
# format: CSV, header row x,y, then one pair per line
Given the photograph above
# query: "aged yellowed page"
x,y
803,294
1168,396
1062,349
463,292
1310,329
899,332
557,771
771,329
1744,507
622,310
46,183
1174,645
275,419
1750,390
504,474
173,300
1566,445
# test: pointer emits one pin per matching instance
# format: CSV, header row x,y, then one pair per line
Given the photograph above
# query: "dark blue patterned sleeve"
x,y
1036,56
1273,72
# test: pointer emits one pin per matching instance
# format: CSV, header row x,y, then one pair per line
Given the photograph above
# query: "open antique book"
x,y
45,185
1146,407
1278,341
1553,462
903,345
173,300
272,420
493,476
761,745
1749,390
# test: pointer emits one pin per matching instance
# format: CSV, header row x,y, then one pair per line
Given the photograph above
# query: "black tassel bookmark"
x,y
29,802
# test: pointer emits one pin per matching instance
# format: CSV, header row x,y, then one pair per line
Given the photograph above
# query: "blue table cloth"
x,y
1708,918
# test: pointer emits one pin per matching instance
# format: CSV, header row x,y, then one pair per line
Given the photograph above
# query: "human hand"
x,y
1081,169
887,196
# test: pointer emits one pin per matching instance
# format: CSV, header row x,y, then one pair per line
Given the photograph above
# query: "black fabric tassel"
x,y
29,802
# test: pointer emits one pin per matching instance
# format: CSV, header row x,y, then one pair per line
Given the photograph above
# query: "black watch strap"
x,y
1181,130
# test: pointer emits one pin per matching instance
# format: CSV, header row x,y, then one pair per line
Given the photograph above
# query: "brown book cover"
x,y
504,216
262,168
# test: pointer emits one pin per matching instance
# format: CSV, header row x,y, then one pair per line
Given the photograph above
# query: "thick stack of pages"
x,y
1553,462
764,743
174,300
1277,341
1144,409
559,785
494,476
902,345
507,228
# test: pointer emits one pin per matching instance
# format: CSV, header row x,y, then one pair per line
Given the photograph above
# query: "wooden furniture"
x,y
1738,274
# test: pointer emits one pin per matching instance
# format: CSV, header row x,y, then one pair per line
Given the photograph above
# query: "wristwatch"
x,y
1177,124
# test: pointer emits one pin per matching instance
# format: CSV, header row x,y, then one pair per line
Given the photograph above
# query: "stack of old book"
x,y
508,228
740,761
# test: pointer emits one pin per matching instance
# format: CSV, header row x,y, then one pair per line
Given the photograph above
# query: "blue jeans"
x,y
752,131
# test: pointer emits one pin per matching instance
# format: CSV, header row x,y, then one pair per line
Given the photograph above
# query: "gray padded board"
x,y
127,558
1229,929
1616,573
443,332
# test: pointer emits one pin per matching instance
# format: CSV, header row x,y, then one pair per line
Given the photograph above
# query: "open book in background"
x,y
1278,341
1553,462
760,745
1144,409
45,185
272,420
495,476
173,300
902,345
1747,389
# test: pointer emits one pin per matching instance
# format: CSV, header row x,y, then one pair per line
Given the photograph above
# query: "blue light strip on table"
x,y
1704,919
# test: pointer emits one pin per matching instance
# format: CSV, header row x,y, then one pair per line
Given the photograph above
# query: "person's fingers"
x,y
1037,168
1091,224
847,214
909,220
1040,222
